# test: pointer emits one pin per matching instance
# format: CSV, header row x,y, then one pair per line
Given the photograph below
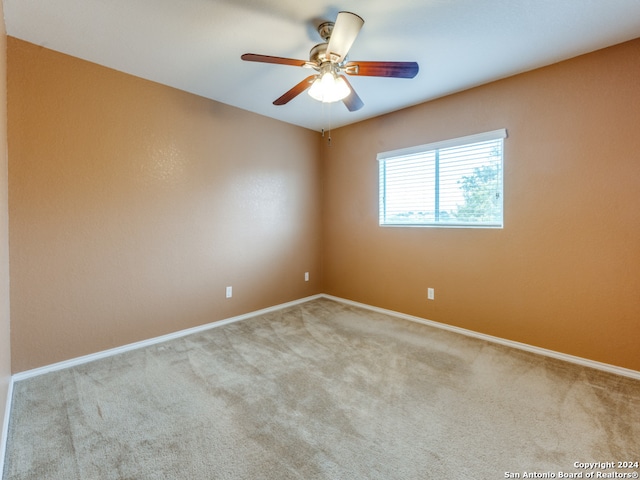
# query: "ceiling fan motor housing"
x,y
318,54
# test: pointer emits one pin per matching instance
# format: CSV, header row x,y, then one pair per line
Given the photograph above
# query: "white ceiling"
x,y
195,45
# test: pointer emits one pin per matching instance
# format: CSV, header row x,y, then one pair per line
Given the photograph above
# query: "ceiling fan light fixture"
x,y
329,60
329,88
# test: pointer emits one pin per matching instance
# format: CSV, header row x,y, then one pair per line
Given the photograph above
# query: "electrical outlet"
x,y
229,292
431,294
306,276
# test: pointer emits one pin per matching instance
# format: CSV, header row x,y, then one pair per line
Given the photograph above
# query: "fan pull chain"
x,y
329,139
324,107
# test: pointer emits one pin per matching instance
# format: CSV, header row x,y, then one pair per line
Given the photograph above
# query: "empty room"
x,y
307,240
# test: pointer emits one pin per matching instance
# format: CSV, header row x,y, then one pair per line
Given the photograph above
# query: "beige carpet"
x,y
321,390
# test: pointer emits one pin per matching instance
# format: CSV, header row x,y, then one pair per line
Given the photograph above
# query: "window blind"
x,y
457,182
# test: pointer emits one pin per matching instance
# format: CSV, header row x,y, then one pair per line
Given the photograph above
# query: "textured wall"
x,y
5,350
563,273
133,205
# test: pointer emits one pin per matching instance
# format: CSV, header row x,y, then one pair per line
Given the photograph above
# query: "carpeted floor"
x,y
322,390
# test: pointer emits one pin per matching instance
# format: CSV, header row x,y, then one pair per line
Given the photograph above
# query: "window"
x,y
453,183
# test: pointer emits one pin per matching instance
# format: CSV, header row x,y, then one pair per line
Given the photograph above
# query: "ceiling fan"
x,y
329,60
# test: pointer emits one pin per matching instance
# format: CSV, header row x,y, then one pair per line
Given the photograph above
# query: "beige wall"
x,y
133,205
563,273
5,345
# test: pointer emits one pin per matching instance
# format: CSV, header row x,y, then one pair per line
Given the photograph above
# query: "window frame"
x,y
425,149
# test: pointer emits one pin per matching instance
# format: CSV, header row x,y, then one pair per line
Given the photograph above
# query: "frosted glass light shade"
x,y
329,88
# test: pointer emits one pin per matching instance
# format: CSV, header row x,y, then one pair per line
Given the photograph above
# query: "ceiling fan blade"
x,y
352,101
382,69
344,33
295,91
254,57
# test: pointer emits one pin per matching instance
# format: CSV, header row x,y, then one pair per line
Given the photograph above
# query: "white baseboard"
x,y
626,372
470,333
4,435
152,341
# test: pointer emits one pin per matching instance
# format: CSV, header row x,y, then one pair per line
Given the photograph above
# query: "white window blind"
x,y
457,182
